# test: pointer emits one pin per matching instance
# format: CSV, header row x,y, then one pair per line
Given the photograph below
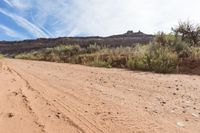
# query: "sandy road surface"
x,y
41,97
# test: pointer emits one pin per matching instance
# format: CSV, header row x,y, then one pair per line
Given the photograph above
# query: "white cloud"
x,y
21,4
8,31
24,23
97,17
8,2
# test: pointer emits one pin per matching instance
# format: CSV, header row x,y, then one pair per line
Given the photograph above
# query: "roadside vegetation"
x,y
1,56
176,52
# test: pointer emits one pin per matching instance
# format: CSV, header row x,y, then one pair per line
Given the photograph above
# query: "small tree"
x,y
165,39
188,32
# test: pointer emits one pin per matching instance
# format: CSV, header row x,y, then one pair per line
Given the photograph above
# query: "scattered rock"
x,y
163,102
58,116
155,111
186,120
174,94
15,93
10,115
187,102
184,111
180,124
48,104
97,113
195,115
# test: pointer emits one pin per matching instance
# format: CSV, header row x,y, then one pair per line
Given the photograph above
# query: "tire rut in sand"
x,y
53,109
26,101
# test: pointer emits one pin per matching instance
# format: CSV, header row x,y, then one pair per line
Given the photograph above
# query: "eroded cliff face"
x,y
128,39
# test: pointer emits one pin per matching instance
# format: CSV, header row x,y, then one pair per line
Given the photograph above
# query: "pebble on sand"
x,y
180,124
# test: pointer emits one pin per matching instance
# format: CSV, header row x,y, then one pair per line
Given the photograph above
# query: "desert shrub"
x,y
1,56
182,48
93,48
188,32
100,63
150,57
153,58
165,39
31,56
174,42
162,59
60,53
139,59
195,54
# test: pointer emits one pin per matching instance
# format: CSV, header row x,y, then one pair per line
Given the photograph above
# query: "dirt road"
x,y
41,97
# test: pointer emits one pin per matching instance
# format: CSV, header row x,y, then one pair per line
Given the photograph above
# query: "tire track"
x,y
56,112
72,109
27,103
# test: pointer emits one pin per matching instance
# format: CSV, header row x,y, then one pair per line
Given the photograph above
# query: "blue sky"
x,y
29,19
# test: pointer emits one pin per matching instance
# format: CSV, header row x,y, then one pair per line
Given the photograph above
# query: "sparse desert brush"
x,y
153,58
1,56
93,48
100,63
188,32
33,55
195,54
166,54
165,39
163,60
150,57
57,54
137,61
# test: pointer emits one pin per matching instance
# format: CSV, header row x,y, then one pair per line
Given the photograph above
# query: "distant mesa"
x,y
130,33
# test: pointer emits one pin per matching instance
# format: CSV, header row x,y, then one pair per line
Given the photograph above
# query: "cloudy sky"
x,y
27,19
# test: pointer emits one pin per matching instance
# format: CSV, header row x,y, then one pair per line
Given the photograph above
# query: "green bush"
x,y
93,48
182,48
1,56
165,39
165,54
153,58
150,57
195,54
163,60
100,63
60,53
188,32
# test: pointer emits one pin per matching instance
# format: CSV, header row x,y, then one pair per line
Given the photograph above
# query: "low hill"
x,y
128,39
